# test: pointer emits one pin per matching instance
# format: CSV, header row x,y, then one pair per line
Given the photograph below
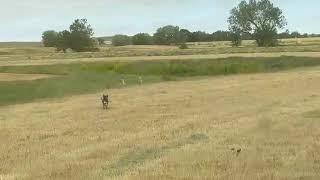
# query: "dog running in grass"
x,y
105,101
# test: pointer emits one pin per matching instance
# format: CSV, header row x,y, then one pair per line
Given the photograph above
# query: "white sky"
x,y
25,20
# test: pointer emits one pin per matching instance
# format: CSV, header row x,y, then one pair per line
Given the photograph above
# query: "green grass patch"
x,y
75,83
79,78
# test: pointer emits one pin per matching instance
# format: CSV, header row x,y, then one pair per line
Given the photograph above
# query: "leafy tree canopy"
x,y
142,39
121,40
168,35
49,38
258,17
81,35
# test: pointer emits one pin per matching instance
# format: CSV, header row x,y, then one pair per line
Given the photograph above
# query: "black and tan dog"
x,y
105,101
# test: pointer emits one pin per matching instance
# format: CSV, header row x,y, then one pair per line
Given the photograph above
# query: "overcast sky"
x,y
25,20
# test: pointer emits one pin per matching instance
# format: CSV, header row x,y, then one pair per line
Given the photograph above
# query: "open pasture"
x,y
171,130
181,122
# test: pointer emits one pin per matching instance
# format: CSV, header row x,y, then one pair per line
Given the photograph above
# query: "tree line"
x,y
257,20
170,35
188,36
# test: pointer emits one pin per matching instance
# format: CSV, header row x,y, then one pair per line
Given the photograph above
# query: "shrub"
x,y
101,41
121,40
49,38
235,39
168,35
183,46
142,39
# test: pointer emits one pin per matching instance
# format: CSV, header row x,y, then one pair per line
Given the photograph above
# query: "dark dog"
x,y
105,101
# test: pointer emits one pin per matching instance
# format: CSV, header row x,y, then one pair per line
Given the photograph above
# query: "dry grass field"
x,y
172,130
169,127
20,44
34,53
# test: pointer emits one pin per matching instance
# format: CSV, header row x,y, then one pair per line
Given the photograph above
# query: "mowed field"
x,y
182,122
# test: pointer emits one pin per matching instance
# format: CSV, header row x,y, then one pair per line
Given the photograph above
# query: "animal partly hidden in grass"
x,y
238,151
105,101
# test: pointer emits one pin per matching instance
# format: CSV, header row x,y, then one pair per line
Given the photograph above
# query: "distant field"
x,y
23,62
34,51
20,44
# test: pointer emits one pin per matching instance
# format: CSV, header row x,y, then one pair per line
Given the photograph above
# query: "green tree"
x,y
121,40
236,38
201,36
186,35
142,39
235,35
101,41
63,41
49,38
260,18
168,35
295,34
221,36
183,46
81,36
